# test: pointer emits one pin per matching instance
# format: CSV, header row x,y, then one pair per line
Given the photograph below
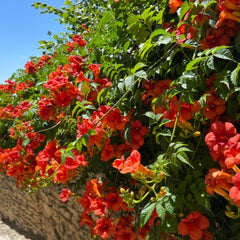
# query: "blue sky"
x,y
21,27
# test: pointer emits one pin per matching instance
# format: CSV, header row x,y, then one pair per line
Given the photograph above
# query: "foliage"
x,y
137,104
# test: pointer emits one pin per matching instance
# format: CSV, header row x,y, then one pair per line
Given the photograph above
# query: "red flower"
x,y
30,67
131,164
65,97
142,232
154,89
114,201
84,126
46,108
193,225
219,182
64,195
79,160
98,206
107,152
86,219
137,133
77,39
215,106
234,194
186,112
119,163
104,228
114,119
125,233
94,188
227,15
82,78
232,155
47,157
95,68
174,5
207,235
236,180
218,137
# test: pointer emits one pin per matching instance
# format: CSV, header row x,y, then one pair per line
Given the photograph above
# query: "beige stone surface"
x,y
8,233
41,214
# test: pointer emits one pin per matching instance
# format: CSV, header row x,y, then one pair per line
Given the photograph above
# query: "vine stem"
x,y
198,143
160,59
114,105
198,40
151,188
176,121
46,129
174,128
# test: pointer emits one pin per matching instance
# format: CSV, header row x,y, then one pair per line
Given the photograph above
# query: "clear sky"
x,y
21,27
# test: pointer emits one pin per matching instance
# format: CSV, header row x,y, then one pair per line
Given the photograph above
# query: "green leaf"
x,y
146,213
168,203
121,86
235,75
85,139
224,54
150,114
183,159
127,133
208,3
145,48
125,46
69,154
164,121
25,141
184,8
210,62
157,32
68,2
141,74
161,211
166,132
63,155
129,83
153,116
78,145
192,64
138,66
165,40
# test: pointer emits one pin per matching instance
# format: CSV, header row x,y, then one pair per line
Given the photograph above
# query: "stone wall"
x,y
41,214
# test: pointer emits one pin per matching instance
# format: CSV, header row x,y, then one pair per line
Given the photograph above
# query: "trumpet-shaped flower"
x,y
193,225
130,165
104,228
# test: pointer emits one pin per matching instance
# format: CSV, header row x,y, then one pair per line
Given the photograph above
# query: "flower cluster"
x,y
224,30
77,41
229,10
224,145
20,161
195,225
62,90
102,207
10,112
49,163
32,67
11,87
